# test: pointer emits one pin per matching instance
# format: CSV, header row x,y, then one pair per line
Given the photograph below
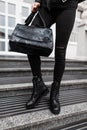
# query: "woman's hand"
x,y
35,6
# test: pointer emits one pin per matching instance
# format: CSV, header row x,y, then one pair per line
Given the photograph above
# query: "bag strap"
x,y
31,16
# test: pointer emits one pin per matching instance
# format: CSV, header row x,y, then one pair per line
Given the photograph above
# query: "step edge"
x,y
43,59
43,69
44,116
68,83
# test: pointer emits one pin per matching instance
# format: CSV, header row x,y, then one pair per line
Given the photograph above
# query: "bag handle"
x,y
31,16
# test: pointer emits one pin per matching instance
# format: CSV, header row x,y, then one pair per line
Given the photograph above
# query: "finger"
x,y
33,9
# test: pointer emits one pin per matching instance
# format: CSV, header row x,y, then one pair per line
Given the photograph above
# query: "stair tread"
x,y
78,125
28,85
13,105
42,58
44,68
72,102
28,79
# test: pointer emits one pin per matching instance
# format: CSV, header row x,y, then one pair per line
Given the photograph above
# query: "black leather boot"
x,y
39,90
54,98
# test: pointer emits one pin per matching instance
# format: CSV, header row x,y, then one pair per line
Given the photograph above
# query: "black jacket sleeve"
x,y
38,1
79,1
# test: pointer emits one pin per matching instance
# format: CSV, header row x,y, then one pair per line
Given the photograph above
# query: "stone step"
x,y
26,88
28,79
78,125
46,62
17,72
16,89
13,114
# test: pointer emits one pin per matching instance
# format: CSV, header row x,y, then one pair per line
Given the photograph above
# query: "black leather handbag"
x,y
32,40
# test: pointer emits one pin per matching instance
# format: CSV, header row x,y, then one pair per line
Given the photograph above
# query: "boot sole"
x,y
55,112
44,93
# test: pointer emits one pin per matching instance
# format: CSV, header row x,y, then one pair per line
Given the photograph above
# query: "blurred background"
x,y
16,11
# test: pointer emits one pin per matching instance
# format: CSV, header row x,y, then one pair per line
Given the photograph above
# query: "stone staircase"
x,y
16,89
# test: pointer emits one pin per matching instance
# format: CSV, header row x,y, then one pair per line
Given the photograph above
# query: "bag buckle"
x,y
64,1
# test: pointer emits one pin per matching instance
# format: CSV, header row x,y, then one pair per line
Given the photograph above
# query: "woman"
x,y
64,16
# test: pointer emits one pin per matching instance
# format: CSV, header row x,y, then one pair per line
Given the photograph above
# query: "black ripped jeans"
x,y
64,19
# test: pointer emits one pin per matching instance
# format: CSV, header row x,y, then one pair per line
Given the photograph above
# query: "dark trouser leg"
x,y
39,88
64,25
35,63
